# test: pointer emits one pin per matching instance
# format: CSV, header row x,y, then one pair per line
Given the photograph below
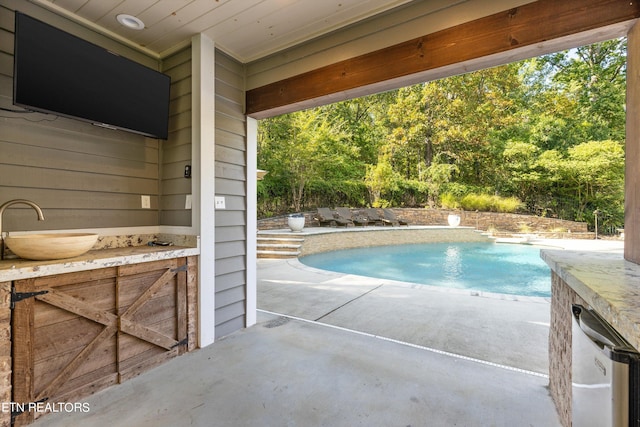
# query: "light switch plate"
x,y
146,202
187,202
220,202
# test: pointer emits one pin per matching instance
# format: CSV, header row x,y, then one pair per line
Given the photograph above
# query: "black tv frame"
x,y
58,73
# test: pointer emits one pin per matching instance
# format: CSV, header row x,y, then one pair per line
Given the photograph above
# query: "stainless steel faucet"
x,y
13,202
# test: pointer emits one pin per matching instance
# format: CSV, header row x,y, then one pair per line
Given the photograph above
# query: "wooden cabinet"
x,y
76,333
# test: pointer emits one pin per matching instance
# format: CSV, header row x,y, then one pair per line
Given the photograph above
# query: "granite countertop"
x,y
607,282
16,269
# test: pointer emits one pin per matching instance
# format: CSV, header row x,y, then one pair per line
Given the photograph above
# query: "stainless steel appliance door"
x,y
600,385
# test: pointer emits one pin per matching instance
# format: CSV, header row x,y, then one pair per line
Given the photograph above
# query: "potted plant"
x,y
453,220
296,222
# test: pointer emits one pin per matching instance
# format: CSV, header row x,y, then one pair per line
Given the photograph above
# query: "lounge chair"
x,y
373,216
346,214
326,217
390,218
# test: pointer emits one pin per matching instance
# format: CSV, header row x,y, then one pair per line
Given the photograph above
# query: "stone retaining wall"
x,y
361,237
486,221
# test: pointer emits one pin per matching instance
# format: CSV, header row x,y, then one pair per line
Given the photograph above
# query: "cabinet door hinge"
x,y
19,296
179,343
180,268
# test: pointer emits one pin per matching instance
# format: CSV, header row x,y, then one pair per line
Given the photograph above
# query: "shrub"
x,y
459,190
524,228
559,230
481,202
449,201
476,202
381,203
507,204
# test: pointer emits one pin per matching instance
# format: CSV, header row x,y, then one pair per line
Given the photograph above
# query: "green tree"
x,y
411,128
595,172
589,176
306,149
381,180
452,120
523,179
592,79
548,130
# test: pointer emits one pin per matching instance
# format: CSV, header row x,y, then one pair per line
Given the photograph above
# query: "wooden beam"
x,y
632,158
526,26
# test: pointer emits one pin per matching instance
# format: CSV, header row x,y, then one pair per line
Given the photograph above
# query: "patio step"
x,y
278,247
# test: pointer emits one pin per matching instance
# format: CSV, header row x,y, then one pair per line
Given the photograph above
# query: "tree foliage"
x,y
546,133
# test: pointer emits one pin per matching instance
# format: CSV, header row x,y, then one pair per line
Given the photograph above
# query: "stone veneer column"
x,y
5,351
192,303
562,297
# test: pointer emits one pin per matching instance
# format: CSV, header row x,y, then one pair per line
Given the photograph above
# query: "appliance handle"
x,y
589,327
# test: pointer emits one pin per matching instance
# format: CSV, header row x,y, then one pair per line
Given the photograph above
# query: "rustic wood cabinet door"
x,y
152,304
64,341
81,332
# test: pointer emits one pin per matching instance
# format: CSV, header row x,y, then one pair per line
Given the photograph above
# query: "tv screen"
x,y
56,72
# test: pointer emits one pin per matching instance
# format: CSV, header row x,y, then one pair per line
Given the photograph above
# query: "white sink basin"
x,y
50,246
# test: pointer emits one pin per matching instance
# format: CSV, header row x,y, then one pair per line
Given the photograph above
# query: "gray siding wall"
x,y
81,175
176,151
88,177
230,164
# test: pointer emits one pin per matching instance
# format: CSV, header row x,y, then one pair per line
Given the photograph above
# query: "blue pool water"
x,y
485,267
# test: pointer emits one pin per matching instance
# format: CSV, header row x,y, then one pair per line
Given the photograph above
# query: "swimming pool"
x,y
478,266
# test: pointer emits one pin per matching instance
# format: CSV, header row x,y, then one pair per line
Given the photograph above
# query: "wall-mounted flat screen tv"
x,y
56,72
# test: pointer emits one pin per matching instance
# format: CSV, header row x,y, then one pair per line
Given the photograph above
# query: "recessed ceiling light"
x,y
130,21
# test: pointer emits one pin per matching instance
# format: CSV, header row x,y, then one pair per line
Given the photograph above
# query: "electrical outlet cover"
x,y
220,202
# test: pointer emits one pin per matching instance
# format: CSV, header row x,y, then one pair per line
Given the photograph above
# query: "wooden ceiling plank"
x,y
94,10
206,22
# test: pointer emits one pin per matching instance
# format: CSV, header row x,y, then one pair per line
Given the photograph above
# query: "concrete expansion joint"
x,y
403,343
348,302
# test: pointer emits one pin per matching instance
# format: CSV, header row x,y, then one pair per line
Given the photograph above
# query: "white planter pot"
x,y
295,223
453,220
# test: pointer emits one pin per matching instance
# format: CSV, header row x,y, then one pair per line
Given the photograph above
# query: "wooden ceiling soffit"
x,y
528,25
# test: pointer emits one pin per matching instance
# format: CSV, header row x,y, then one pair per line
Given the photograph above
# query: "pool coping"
x,y
323,239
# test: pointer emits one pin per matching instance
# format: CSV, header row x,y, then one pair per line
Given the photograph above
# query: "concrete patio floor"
x,y
332,349
285,372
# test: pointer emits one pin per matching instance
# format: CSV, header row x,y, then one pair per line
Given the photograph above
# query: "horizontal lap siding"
x,y
176,151
230,169
81,175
